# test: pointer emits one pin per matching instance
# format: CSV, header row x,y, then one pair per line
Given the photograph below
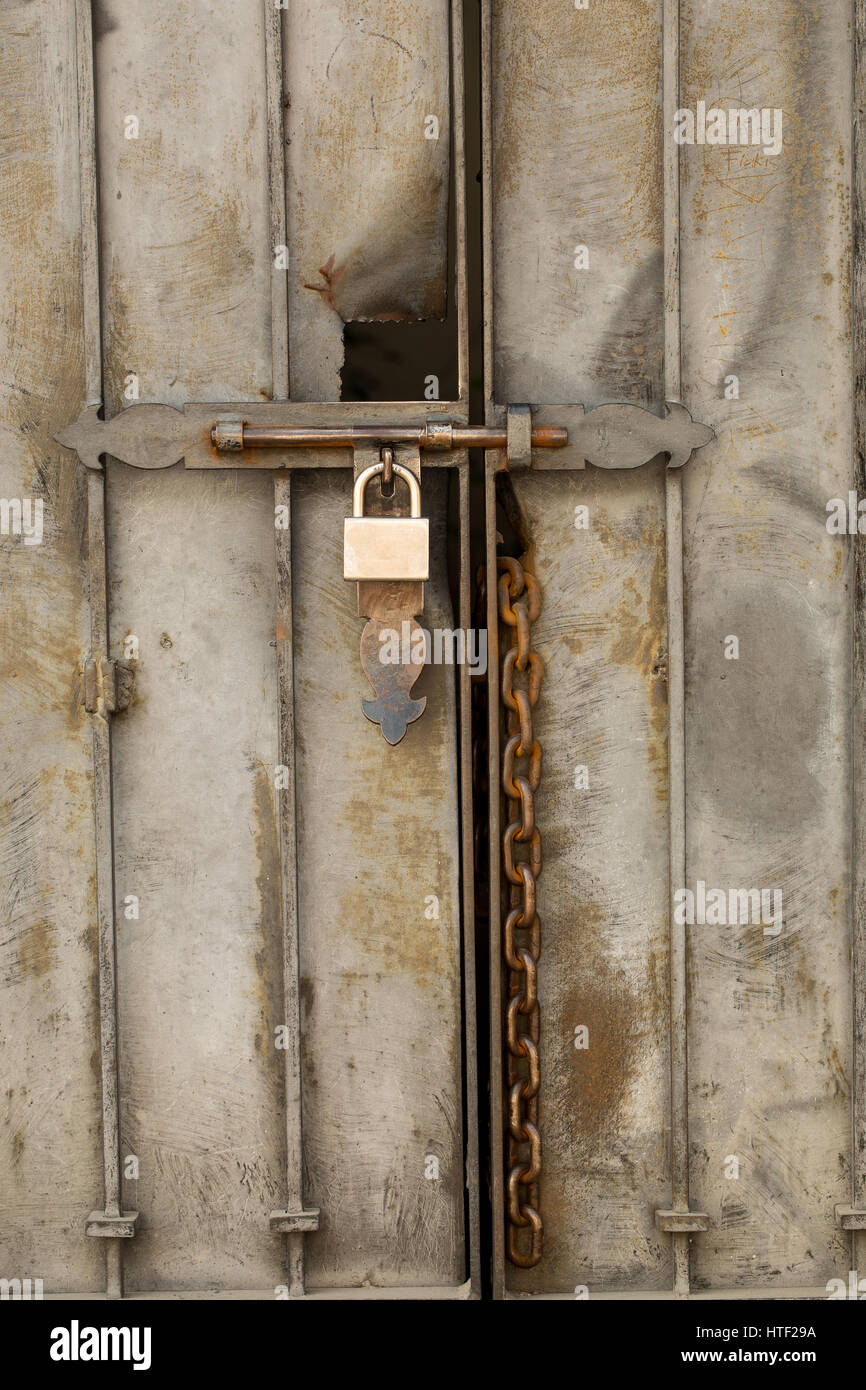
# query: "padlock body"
x,y
385,547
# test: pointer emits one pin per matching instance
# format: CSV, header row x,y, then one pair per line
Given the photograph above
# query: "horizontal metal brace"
x,y
851,1219
682,1221
120,1227
291,1222
109,681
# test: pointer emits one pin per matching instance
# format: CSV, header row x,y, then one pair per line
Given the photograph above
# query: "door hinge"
x,y
110,682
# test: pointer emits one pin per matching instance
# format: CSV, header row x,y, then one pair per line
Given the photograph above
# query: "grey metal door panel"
x,y
50,1152
185,304
724,1078
565,334
575,161
766,267
764,285
381,977
195,842
602,893
194,307
367,190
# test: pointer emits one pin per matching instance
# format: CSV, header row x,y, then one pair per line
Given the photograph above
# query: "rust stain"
x,y
331,278
404,939
838,1074
592,1087
639,641
37,950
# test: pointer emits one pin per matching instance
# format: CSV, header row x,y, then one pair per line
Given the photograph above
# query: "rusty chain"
x,y
519,607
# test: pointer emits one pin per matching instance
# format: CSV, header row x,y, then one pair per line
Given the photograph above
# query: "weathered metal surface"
x,y
382,1003
220,935
120,1226
336,942
367,179
603,894
765,1124
101,693
676,658
563,334
297,1217
50,1143
615,436
187,284
858,723
766,267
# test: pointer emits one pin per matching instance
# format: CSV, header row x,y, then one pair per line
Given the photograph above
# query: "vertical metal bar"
x,y
468,882
89,217
497,1184
487,200
287,796
458,117
99,649
287,826
676,651
106,931
858,732
281,387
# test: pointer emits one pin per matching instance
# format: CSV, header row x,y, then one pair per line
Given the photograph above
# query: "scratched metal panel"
x,y
186,274
367,189
187,270
585,170
380,961
766,260
187,304
50,1154
378,826
765,293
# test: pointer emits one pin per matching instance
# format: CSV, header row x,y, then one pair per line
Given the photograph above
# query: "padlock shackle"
x,y
406,474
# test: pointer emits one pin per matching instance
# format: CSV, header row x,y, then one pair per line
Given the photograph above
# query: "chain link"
x,y
519,607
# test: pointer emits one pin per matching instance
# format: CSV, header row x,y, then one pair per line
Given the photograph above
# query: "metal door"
x,y
265,930
239,1024
696,631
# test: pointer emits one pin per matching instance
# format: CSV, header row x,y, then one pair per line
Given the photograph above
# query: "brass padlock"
x,y
386,547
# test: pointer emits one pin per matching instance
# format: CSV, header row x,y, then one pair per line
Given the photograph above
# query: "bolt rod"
x,y
460,437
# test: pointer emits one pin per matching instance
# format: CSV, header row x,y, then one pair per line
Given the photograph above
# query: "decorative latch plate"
x,y
388,557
